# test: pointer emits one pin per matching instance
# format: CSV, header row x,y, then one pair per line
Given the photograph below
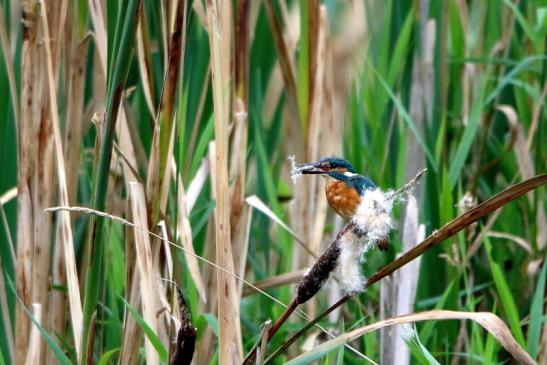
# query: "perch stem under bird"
x,y
437,237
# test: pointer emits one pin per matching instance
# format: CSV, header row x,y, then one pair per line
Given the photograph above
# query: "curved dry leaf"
x,y
184,233
524,159
525,245
525,165
145,264
8,195
34,345
255,202
67,241
489,321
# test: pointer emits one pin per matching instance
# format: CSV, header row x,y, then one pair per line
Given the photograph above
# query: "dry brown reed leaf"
x,y
165,32
127,148
58,11
35,338
285,60
203,355
275,87
525,164
166,250
256,203
230,346
263,342
489,321
31,86
166,314
198,8
45,182
197,183
143,58
157,185
184,232
314,43
6,318
77,56
526,168
199,114
132,333
240,242
238,161
145,265
241,47
100,34
4,41
317,122
75,45
275,281
65,226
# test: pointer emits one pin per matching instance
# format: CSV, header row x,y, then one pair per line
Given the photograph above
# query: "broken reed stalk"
x,y
450,229
184,342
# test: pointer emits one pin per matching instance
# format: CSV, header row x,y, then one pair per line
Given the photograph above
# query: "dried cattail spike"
x,y
318,274
184,345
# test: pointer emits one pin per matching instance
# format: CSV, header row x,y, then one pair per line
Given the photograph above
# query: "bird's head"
x,y
332,166
338,169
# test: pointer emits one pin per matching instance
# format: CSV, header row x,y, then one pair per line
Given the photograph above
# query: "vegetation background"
x,y
179,116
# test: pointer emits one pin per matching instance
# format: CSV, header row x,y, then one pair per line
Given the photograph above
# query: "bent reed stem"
x,y
450,229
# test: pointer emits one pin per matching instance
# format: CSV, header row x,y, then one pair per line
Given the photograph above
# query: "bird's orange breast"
x,y
343,199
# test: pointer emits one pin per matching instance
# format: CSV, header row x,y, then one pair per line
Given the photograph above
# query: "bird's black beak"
x,y
312,168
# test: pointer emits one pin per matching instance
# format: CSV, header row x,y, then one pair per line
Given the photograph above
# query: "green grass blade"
x,y
420,352
536,313
59,353
154,339
95,246
469,133
507,79
406,117
105,359
505,295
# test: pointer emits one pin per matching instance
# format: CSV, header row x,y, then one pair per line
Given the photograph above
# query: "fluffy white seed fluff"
x,y
373,215
295,171
349,266
373,221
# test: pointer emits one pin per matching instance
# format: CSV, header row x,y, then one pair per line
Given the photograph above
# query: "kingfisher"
x,y
344,187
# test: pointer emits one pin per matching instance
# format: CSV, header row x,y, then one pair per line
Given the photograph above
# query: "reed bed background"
x,y
178,116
